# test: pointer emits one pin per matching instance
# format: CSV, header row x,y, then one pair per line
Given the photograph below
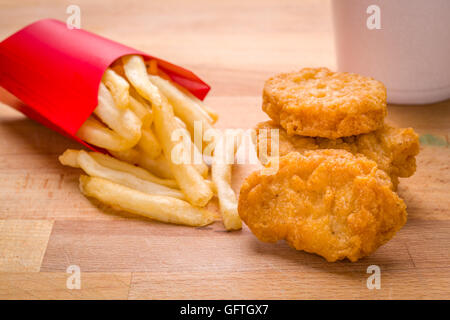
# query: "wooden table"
x,y
46,225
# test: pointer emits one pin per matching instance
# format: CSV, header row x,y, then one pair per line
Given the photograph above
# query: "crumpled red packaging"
x,y
56,72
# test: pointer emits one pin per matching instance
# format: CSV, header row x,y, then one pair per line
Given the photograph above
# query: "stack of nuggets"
x,y
334,192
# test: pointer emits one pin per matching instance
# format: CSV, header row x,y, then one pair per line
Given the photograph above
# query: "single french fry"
x,y
95,133
160,208
149,144
142,112
123,121
70,158
221,178
136,73
93,168
190,181
118,87
129,155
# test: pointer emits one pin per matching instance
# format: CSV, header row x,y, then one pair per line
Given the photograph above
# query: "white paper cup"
x,y
410,53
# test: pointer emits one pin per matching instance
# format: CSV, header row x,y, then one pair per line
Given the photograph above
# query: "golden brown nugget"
x,y
327,202
319,103
393,149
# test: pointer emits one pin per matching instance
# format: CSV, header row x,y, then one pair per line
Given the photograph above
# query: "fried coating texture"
x,y
393,149
327,202
316,102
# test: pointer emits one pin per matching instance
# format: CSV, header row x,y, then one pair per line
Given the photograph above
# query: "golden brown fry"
x,y
118,87
122,121
139,98
149,144
221,178
129,155
95,133
70,158
141,111
93,168
160,208
136,73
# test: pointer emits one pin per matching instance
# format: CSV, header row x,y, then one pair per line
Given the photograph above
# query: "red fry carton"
x,y
56,72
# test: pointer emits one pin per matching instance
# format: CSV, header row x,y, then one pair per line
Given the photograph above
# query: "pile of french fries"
x,y
139,110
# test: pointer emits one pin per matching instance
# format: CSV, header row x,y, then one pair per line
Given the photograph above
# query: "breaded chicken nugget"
x,y
316,102
327,202
393,149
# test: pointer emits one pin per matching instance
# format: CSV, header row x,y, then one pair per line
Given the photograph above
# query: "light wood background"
x,y
47,225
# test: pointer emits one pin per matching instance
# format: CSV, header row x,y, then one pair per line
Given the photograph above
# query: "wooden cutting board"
x,y
46,225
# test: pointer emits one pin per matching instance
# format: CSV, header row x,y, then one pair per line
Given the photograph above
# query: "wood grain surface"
x,y
46,225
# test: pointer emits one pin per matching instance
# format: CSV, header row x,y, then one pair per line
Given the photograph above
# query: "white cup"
x,y
409,53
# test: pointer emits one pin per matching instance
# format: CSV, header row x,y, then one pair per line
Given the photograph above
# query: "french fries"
x,y
94,132
190,181
94,169
221,178
159,166
196,156
123,121
136,73
160,208
70,158
118,87
148,124
184,107
142,111
212,113
180,123
149,144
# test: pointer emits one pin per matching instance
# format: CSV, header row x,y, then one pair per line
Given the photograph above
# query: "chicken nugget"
x,y
316,102
328,202
393,149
